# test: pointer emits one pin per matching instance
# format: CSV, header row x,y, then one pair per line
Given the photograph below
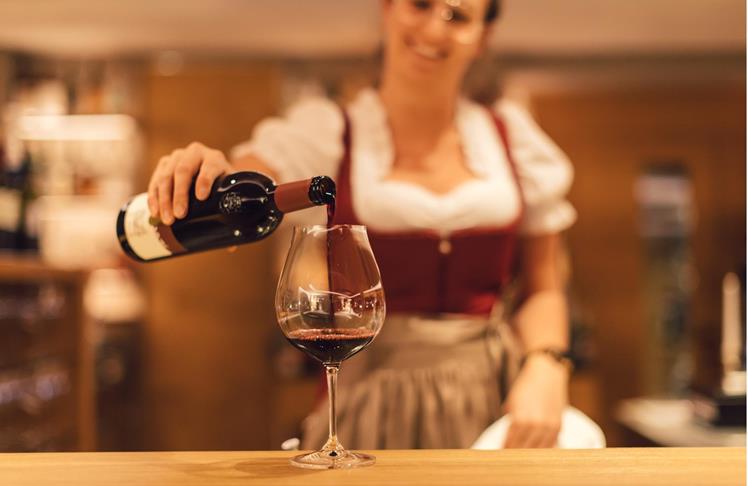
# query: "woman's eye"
x,y
460,17
420,4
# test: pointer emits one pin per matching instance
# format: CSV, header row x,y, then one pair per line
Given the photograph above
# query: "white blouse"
x,y
308,142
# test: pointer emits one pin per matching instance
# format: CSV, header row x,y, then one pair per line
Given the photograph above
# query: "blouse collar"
x,y
373,138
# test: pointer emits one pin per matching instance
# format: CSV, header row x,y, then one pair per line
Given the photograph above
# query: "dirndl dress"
x,y
436,374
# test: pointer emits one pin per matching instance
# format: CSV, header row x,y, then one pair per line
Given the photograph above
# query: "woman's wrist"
x,y
557,357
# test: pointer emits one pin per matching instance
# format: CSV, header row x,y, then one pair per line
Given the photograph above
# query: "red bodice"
x,y
425,273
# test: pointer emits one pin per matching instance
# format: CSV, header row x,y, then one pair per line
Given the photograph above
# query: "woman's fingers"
x,y
153,203
214,165
165,185
169,187
515,436
543,436
550,438
188,162
531,435
534,436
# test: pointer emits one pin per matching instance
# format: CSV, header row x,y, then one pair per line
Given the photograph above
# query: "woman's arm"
x,y
540,392
541,321
304,143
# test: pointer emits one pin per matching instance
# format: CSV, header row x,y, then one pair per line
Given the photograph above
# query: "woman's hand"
x,y
536,401
168,190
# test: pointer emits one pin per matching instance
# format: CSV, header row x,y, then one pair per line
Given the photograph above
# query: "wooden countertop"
x,y
607,467
29,266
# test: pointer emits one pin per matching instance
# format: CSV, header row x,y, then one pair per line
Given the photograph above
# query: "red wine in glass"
x,y
329,345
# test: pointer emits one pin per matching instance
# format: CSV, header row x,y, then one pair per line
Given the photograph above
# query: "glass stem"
x,y
331,370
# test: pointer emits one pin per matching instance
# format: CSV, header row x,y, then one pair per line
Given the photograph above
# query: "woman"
x,y
446,188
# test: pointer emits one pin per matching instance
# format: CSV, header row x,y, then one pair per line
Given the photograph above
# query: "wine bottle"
x,y
15,200
242,207
10,208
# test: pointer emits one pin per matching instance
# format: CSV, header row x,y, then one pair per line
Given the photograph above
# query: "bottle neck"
x,y
295,196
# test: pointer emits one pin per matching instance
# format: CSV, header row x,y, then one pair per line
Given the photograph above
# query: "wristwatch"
x,y
561,356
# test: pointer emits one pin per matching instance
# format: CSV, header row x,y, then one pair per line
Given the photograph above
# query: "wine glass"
x,y
330,304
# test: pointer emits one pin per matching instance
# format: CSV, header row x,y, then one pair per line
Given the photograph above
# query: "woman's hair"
x,y
493,12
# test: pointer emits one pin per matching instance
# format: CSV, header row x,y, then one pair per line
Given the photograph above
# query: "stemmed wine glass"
x,y
330,304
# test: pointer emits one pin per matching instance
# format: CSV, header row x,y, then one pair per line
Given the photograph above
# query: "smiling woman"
x,y
445,35
459,200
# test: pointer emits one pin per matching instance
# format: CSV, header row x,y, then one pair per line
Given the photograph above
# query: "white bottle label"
x,y
143,236
10,209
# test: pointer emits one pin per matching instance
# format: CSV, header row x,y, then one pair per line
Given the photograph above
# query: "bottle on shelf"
x,y
242,207
15,198
10,209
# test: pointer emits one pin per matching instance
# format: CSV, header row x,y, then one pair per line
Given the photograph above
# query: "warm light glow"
x,y
76,127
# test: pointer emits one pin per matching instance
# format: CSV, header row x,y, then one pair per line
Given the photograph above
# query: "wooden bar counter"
x,y
606,467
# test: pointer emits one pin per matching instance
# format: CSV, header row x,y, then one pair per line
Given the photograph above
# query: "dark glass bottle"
x,y
15,199
242,207
10,209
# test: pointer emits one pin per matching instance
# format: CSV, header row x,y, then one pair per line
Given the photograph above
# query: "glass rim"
x,y
324,227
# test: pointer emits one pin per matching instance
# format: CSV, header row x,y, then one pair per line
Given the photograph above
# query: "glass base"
x,y
333,459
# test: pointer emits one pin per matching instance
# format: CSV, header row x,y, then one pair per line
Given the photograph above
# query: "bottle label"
x,y
148,240
10,209
293,196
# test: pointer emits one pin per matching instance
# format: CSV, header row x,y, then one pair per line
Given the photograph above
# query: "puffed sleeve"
x,y
544,172
306,142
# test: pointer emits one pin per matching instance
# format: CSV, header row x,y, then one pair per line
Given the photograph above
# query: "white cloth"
x,y
578,431
308,142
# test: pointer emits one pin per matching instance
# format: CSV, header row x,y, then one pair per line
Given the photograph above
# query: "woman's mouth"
x,y
425,51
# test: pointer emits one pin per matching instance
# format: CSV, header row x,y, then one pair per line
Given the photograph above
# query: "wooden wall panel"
x,y
610,134
211,315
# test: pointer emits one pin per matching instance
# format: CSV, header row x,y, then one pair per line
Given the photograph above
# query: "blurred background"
x,y
99,353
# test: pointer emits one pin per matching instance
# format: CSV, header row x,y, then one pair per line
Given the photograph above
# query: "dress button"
x,y
445,246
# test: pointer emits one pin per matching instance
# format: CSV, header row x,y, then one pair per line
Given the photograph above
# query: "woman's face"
x,y
433,40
